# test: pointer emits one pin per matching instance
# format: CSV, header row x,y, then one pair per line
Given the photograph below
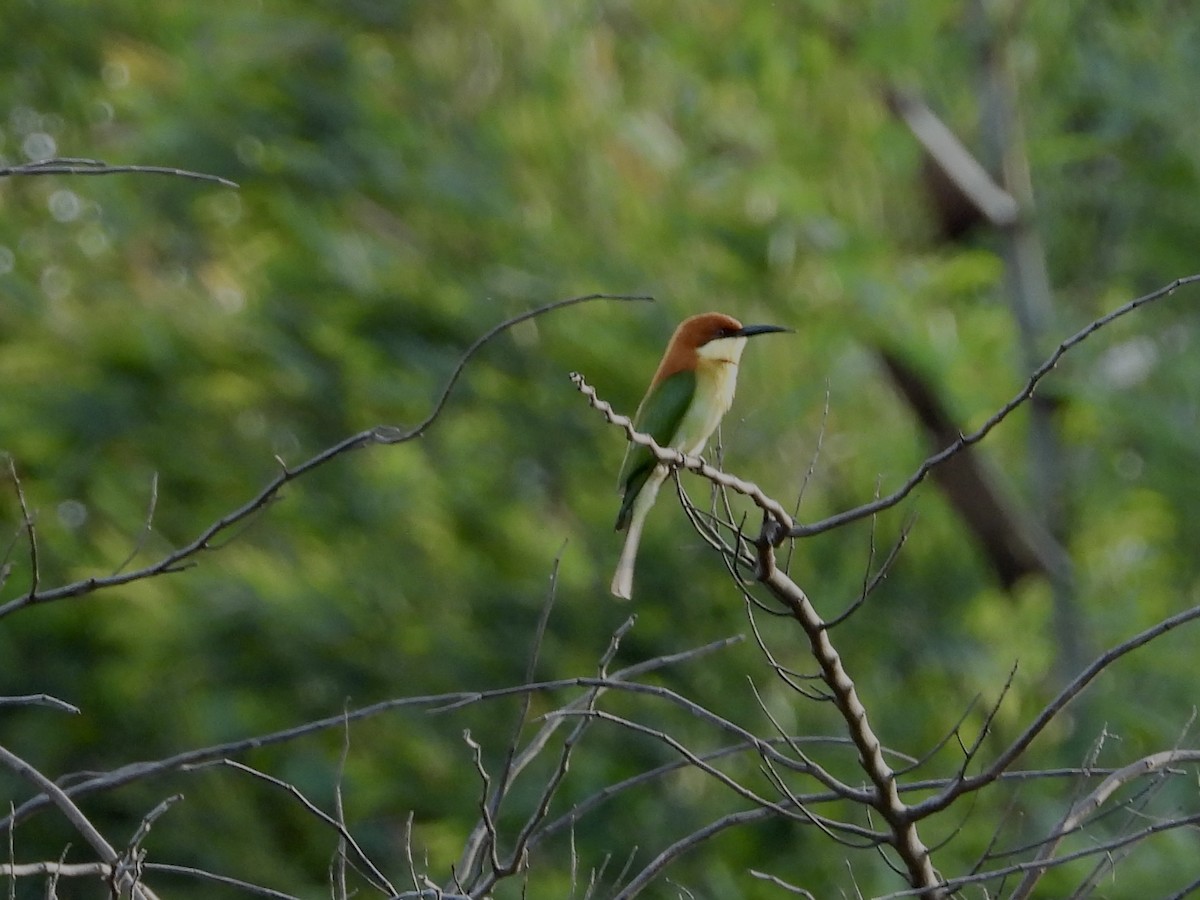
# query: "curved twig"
x,y
183,557
966,440
368,869
652,869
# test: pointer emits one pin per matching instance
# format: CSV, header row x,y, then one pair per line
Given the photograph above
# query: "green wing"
x,y
660,419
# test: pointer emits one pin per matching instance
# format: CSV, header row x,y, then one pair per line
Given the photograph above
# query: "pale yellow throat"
x,y
716,379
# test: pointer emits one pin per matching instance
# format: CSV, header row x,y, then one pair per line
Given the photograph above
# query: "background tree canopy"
x,y
412,173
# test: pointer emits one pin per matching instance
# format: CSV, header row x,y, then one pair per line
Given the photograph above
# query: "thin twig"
x,y
1135,810
667,856
872,582
969,753
52,883
694,759
107,853
1188,890
433,703
974,437
408,854
827,826
82,166
973,782
808,474
150,818
181,558
780,883
339,808
35,575
12,858
482,837
202,875
1092,850
147,527
1155,762
40,700
372,873
794,680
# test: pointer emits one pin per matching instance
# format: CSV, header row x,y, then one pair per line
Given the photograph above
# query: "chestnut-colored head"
x,y
684,350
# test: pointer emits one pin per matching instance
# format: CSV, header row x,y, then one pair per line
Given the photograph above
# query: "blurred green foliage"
x,y
412,173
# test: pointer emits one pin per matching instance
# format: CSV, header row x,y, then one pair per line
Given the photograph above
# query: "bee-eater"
x,y
689,393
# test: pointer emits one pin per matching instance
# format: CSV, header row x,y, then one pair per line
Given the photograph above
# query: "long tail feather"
x,y
622,583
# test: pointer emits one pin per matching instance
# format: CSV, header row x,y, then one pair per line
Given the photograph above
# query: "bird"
x,y
690,392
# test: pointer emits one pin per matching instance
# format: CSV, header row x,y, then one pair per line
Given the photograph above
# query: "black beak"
x,y
752,330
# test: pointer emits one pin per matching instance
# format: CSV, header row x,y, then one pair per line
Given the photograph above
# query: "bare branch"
x,y
583,807
147,527
30,529
1052,709
123,879
339,810
1187,891
792,679
760,745
81,166
829,827
1075,817
696,761
150,818
780,883
533,823
383,434
969,753
1135,813
872,581
67,870
391,435
483,837
811,470
372,873
40,700
237,883
966,440
533,831
683,845
104,872
491,837
510,770
885,797
1092,850
435,703
675,459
